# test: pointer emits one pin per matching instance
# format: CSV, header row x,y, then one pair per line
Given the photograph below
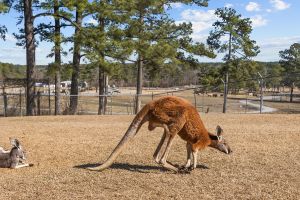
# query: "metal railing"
x,y
13,104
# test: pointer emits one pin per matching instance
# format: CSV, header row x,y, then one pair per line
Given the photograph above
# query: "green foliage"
x,y
231,35
3,31
48,71
12,71
273,72
104,44
290,61
157,40
127,30
4,7
242,74
236,31
209,76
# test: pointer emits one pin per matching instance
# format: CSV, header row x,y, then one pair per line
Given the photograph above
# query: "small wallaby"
x,y
14,158
176,116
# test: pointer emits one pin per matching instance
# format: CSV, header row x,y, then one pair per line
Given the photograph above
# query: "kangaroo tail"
x,y
134,127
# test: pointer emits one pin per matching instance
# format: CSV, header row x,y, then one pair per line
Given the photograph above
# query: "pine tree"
x,y
104,44
4,8
236,31
157,40
30,45
81,11
52,33
290,61
27,38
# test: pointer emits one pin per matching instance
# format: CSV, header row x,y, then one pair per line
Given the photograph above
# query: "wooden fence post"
x,y
261,82
111,104
49,99
20,102
195,101
5,103
39,103
246,104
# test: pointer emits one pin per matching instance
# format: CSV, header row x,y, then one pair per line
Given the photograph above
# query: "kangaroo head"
x,y
219,142
17,150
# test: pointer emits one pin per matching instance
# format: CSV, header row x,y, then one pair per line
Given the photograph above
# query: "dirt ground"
x,y
265,163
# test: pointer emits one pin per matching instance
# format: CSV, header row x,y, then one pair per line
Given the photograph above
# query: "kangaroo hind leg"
x,y
169,140
158,153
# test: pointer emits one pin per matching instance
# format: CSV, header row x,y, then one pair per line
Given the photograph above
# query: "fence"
x,y
13,104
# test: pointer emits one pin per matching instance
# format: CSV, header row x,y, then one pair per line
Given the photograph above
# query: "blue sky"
x,y
275,28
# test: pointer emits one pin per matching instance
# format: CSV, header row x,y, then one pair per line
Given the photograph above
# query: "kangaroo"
x,y
176,116
15,158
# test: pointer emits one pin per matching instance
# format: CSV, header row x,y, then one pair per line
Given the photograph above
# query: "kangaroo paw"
x,y
191,168
183,170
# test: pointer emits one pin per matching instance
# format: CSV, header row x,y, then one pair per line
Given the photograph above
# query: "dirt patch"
x,y
264,165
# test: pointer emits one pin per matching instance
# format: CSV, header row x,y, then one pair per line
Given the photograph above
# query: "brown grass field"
x,y
265,163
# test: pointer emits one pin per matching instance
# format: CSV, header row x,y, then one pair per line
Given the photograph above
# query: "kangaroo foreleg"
x,y
195,154
191,162
20,166
189,155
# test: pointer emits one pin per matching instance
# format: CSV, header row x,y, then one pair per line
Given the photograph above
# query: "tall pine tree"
x,y
290,61
157,40
231,35
104,43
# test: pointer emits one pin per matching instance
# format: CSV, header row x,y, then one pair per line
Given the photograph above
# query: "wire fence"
x,y
206,101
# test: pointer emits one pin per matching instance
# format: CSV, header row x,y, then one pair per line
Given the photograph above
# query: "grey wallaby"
x,y
15,157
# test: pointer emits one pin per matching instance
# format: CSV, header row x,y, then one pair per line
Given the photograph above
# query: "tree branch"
x,y
56,15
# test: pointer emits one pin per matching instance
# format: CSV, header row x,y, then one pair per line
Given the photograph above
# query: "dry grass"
x,y
264,165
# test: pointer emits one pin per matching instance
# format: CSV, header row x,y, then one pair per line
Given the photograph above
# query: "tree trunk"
x,y
30,57
139,84
102,76
292,91
57,57
225,92
76,66
226,76
102,86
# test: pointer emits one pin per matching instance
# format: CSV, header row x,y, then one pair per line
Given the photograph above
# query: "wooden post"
x,y
111,104
195,100
49,97
39,103
127,109
20,98
133,105
225,92
261,97
5,103
203,102
261,82
246,104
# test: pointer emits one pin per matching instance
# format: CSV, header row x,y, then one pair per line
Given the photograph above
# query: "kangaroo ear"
x,y
14,142
219,131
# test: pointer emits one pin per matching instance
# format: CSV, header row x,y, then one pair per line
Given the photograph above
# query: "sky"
x,y
275,28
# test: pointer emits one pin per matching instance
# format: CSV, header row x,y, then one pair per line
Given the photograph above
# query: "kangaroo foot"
x,y
190,168
183,170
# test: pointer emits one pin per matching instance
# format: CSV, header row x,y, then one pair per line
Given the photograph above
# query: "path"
x,y
265,109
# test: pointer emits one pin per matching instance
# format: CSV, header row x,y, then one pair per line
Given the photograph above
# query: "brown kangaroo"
x,y
176,116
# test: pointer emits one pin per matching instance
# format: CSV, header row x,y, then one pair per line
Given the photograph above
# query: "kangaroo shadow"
x,y
126,166
134,167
